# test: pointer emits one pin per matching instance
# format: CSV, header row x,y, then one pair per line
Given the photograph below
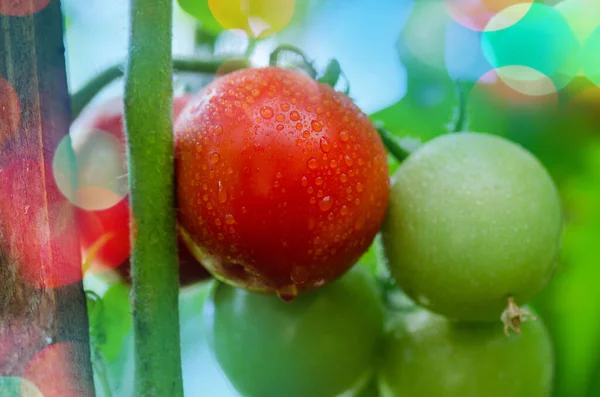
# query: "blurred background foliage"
x,y
409,64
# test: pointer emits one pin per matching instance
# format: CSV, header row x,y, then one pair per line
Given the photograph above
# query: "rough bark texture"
x,y
35,315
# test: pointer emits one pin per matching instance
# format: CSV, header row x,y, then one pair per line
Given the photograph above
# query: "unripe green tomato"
x,y
427,355
322,344
473,219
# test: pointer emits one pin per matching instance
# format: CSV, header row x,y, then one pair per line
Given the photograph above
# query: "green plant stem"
x,y
307,64
81,98
393,144
155,273
462,109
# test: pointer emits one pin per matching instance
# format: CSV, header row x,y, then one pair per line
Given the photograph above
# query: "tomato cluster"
x,y
282,185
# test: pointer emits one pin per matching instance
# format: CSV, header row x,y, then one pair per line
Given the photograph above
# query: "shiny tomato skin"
x,y
282,183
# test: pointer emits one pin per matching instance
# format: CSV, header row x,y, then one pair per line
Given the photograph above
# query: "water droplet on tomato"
x,y
229,219
278,175
312,163
325,204
325,144
310,190
299,275
304,181
360,222
288,293
348,160
306,134
218,130
333,163
344,136
294,115
218,222
359,187
279,127
285,107
214,158
222,195
344,210
266,112
344,178
316,125
298,126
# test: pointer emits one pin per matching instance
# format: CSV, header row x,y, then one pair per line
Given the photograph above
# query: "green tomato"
x,y
428,355
473,219
322,344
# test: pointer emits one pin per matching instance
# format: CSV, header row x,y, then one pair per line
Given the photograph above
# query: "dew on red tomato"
x,y
288,293
266,112
214,158
325,204
294,115
312,163
325,144
316,126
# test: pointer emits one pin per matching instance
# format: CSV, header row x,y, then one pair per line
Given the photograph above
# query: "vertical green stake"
x,y
148,114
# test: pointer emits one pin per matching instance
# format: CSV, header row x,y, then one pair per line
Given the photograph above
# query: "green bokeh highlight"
x,y
541,40
591,56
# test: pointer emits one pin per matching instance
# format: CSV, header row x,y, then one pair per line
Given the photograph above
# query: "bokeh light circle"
x,y
591,56
10,110
231,65
423,38
541,40
477,14
21,8
526,80
257,18
12,386
583,16
96,178
517,86
56,370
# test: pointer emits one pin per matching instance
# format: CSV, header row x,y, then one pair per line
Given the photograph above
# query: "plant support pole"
x,y
149,126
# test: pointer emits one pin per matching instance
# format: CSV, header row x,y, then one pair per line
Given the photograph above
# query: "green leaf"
x,y
116,319
331,74
570,305
200,10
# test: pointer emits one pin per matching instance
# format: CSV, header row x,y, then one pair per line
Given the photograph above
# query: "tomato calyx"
x,y
513,316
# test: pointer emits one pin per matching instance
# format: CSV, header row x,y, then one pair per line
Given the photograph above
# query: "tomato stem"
x,y
82,98
461,118
154,267
513,316
306,63
393,144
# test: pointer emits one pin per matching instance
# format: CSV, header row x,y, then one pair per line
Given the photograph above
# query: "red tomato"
x,y
282,183
113,224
